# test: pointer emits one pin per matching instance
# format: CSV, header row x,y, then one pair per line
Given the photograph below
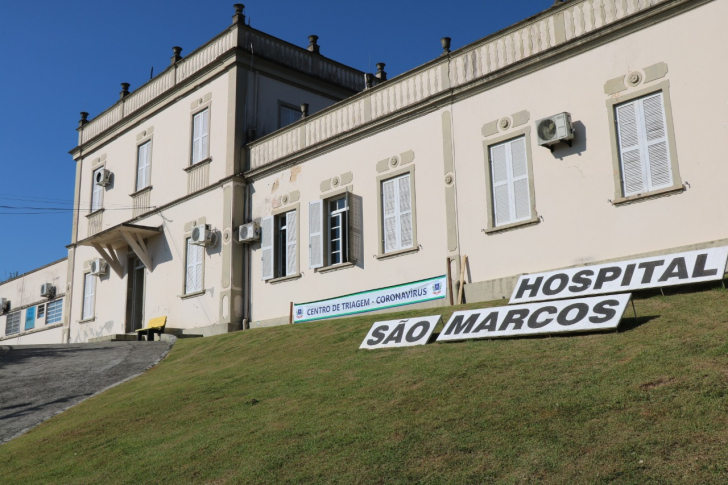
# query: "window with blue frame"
x,y
54,311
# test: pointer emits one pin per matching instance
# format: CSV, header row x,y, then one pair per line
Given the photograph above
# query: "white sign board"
x,y
367,301
400,333
637,274
581,315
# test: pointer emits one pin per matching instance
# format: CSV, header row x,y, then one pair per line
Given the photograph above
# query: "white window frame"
x,y
619,184
144,165
320,227
97,191
53,311
277,249
200,136
507,187
194,267
398,215
88,306
12,323
636,141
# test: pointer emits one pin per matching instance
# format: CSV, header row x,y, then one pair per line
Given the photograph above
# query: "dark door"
x,y
135,296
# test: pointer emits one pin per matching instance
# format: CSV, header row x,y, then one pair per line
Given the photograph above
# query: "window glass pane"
x,y
12,323
41,310
55,311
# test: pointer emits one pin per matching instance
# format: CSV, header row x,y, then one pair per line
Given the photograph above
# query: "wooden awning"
x,y
109,241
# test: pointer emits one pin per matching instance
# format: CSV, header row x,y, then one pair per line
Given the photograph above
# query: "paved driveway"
x,y
39,381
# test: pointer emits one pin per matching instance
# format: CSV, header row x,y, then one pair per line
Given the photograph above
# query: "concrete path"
x,y
39,381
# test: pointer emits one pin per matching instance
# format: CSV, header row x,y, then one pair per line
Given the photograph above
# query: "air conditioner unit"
x,y
4,305
98,267
47,290
102,178
203,235
555,129
249,232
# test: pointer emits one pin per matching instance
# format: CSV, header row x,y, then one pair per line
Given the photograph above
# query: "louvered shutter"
x,y
143,166
89,289
315,234
633,176
355,221
291,240
191,278
205,137
405,212
658,158
389,210
501,192
266,247
197,137
519,173
199,254
97,194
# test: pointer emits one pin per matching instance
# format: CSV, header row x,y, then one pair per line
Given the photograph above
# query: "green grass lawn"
x,y
302,404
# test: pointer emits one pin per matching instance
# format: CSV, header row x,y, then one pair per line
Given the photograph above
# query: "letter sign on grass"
x,y
580,315
638,274
400,333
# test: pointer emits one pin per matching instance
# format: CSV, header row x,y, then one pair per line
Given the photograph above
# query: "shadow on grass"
x,y
631,323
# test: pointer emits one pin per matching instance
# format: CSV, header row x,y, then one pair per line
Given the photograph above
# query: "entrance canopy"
x,y
109,241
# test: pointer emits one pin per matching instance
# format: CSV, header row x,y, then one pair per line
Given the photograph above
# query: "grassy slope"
x,y
646,404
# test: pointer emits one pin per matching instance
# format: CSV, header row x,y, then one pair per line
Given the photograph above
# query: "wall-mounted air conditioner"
x,y
247,233
4,305
203,235
47,290
555,129
98,267
102,178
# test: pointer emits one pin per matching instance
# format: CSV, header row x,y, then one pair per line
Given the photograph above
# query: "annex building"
x,y
261,173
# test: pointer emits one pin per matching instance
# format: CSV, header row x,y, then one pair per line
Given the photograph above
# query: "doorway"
x,y
135,296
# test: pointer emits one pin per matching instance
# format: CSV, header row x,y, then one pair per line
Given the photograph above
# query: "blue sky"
x,y
61,58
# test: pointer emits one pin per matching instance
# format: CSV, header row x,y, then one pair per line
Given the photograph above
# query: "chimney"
x,y
304,110
239,18
368,80
124,90
313,45
445,41
83,120
381,75
176,55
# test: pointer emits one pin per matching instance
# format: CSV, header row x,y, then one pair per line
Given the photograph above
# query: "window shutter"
x,y
405,212
197,138
89,288
630,154
345,236
191,263
501,196
205,148
291,249
521,192
97,193
199,254
266,247
355,221
315,234
143,166
390,214
658,158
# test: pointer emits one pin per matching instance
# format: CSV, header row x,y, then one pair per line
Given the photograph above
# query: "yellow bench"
x,y
155,325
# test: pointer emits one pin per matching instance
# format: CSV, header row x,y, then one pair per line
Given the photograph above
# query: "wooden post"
x,y
449,280
290,315
462,279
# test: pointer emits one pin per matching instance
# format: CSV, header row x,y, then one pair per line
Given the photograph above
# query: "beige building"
x,y
588,133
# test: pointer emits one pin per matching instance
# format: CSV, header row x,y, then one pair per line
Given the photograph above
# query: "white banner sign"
x,y
581,315
367,301
637,274
400,333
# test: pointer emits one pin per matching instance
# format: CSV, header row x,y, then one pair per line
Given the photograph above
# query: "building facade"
x,y
390,181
